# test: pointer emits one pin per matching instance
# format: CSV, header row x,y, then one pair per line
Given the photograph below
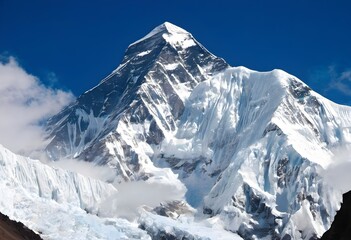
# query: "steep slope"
x,y
261,139
143,97
249,146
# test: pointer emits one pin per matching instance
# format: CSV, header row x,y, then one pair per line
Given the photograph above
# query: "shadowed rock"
x,y
341,227
12,230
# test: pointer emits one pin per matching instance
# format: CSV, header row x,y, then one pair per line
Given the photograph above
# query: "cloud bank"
x,y
25,103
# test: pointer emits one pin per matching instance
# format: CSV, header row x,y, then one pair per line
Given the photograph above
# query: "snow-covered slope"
x,y
265,136
160,227
57,204
249,146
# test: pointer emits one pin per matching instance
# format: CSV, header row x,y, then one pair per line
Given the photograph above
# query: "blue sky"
x,y
74,44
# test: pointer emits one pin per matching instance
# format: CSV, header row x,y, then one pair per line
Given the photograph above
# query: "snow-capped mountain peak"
x,y
171,28
168,31
149,87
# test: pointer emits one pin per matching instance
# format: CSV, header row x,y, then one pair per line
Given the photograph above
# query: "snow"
x,y
176,36
184,228
35,194
179,40
62,221
143,53
171,66
173,28
50,183
305,225
225,119
165,27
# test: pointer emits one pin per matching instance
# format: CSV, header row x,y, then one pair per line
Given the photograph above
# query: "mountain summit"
x,y
247,145
151,85
171,30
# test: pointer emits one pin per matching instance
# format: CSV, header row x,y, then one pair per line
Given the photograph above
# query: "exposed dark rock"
x,y
173,209
282,170
258,209
341,226
299,90
155,134
186,165
207,211
272,128
163,234
12,230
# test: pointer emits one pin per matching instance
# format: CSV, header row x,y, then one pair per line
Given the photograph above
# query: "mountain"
x,y
249,146
144,96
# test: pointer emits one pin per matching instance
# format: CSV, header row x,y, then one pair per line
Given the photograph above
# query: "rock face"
x,y
341,226
248,145
12,230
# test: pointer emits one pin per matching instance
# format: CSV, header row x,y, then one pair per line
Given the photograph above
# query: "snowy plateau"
x,y
197,149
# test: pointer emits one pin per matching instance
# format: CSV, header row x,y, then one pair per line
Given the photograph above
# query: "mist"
x,y
25,103
132,196
88,169
337,174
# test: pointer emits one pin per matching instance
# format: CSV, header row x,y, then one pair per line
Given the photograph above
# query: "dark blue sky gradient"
x,y
83,41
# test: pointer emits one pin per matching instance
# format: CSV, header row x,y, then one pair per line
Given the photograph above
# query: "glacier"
x,y
57,204
250,147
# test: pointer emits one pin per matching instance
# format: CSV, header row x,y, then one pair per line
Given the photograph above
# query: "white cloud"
x,y
332,80
132,196
337,174
88,169
24,104
340,81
